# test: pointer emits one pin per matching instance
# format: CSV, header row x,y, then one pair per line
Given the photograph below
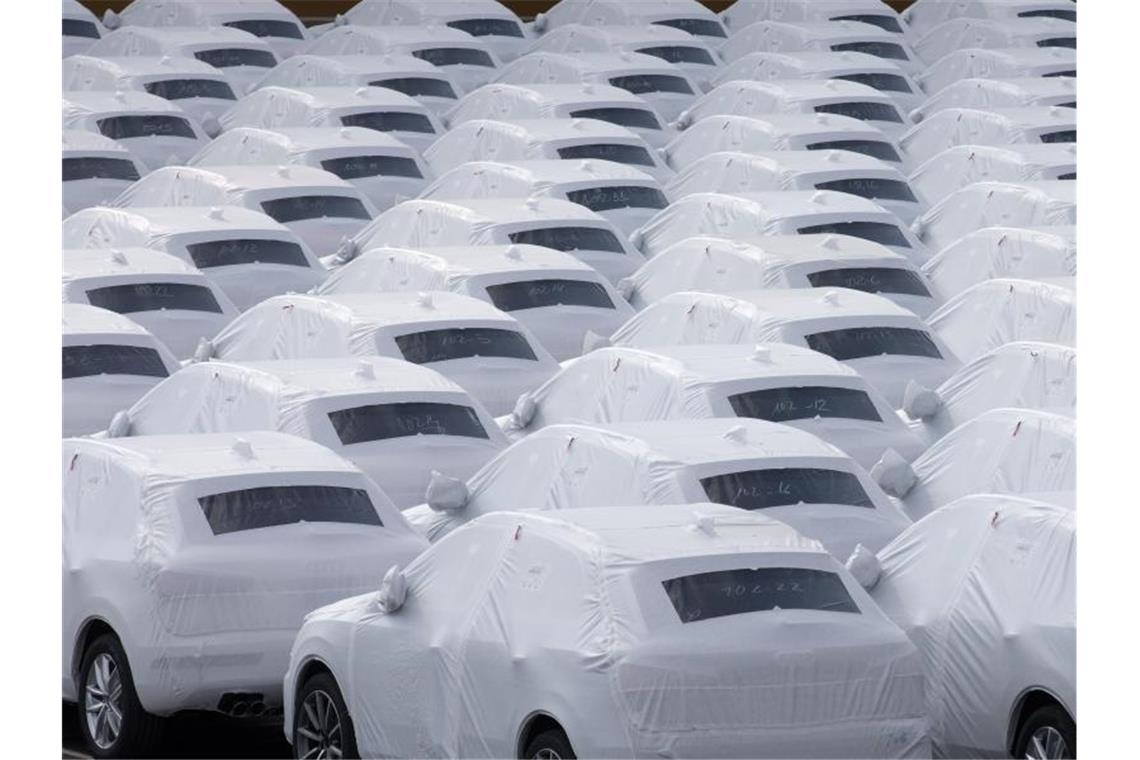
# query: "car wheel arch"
x,y
534,724
1027,701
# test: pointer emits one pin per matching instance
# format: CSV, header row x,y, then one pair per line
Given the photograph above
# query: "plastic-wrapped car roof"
x,y
360,39
545,130
925,14
701,364
94,227
84,263
547,97
783,166
817,64
999,63
276,145
951,127
80,141
82,103
371,311
206,186
84,319
171,37
604,64
991,33
784,95
955,168
395,12
617,37
576,11
745,12
346,66
541,174
805,35
201,12
1013,92
500,210
113,69
1026,253
986,204
311,102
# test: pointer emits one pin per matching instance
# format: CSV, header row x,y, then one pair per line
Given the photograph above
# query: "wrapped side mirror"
x,y
894,474
446,494
864,566
920,402
393,590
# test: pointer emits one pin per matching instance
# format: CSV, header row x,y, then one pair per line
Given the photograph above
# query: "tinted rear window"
x,y
883,233
886,23
536,294
109,359
1067,175
880,150
874,188
181,89
1064,136
487,27
761,489
154,296
639,84
862,110
871,280
1065,42
225,253
786,404
618,196
1066,73
570,239
161,125
389,121
1050,13
680,54
622,154
266,507
413,86
1072,104
635,118
455,57
224,58
878,49
355,167
859,342
75,27
885,82
462,343
379,422
285,210
699,26
267,27
735,592
92,167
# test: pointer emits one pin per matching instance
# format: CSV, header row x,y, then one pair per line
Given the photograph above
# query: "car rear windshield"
x,y
379,422
761,489
224,58
871,280
389,121
94,167
886,23
1066,73
1064,136
266,507
698,26
859,342
227,253
680,54
181,89
879,81
356,167
1067,175
537,294
267,27
154,296
1049,13
862,110
1065,42
878,49
75,27
634,118
462,343
110,359
883,233
157,125
487,27
622,154
618,196
875,188
734,592
880,150
301,207
569,239
806,402
639,84
413,86
446,56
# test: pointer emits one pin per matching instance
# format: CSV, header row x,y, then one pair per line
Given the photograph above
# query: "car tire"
x,y
551,744
1045,726
107,696
315,724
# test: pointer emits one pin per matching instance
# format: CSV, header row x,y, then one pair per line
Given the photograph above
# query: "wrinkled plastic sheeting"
x,y
970,126
1003,252
961,166
998,204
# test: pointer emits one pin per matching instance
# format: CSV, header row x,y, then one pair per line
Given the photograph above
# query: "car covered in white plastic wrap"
x,y
840,170
974,63
782,131
1006,451
687,15
1015,92
775,262
924,15
1021,375
744,12
240,55
109,361
986,589
547,222
777,382
398,422
562,301
787,212
173,300
247,254
889,346
384,169
469,60
156,131
1035,253
317,206
539,139
998,311
485,351
833,36
96,169
956,168
189,563
514,102
974,33
198,88
378,108
1042,203
952,127
626,196
430,85
790,475
609,633
81,28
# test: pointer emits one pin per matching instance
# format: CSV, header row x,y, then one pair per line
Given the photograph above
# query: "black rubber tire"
x,y
140,730
1049,715
325,682
553,739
